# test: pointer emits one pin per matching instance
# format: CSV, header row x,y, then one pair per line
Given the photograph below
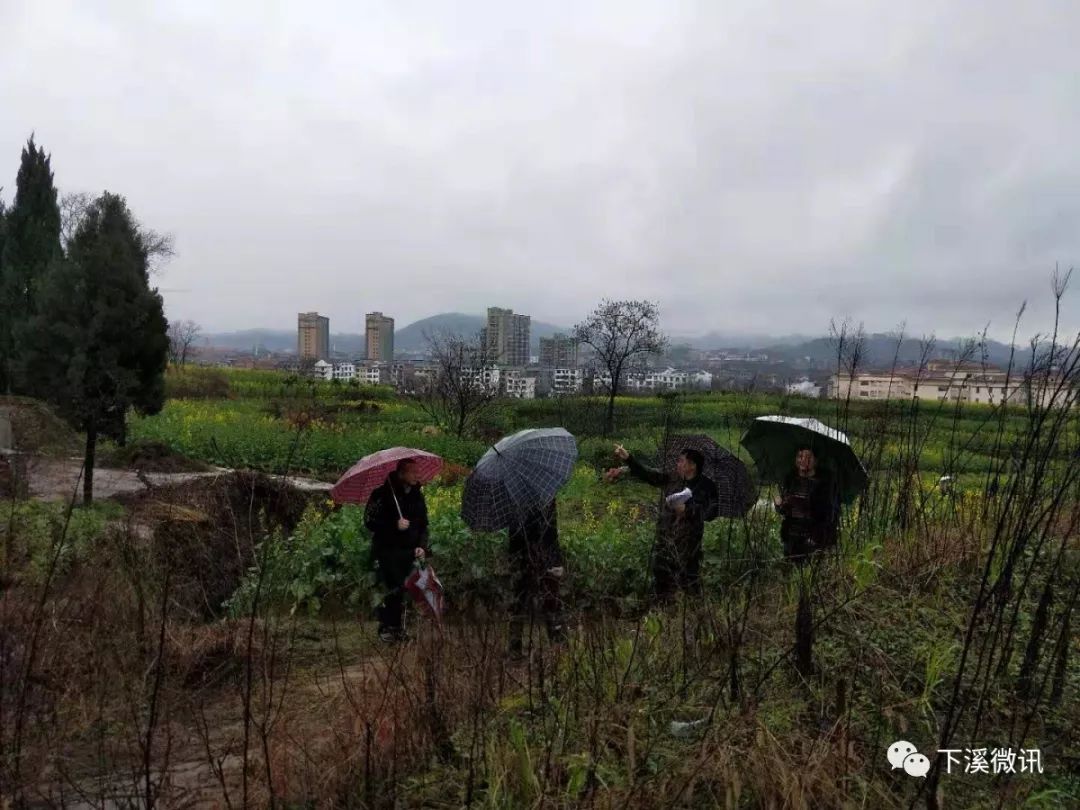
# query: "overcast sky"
x,y
751,166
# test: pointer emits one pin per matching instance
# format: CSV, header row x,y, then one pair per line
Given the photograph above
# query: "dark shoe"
x,y
393,635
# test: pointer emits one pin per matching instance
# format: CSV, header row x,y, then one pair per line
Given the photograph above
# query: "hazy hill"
x,y
406,339
880,351
411,337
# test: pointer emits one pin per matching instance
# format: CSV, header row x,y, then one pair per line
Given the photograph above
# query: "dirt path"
x,y
59,479
200,755
206,741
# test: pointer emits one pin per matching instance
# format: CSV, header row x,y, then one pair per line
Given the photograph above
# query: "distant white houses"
x,y
344,371
509,382
949,381
514,381
667,380
520,387
486,377
734,356
804,388
369,375
566,381
701,379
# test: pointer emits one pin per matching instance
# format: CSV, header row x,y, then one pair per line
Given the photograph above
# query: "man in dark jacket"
x,y
680,526
396,516
537,561
809,502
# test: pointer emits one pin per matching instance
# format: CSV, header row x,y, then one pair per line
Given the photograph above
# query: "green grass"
x,y
256,426
593,726
38,535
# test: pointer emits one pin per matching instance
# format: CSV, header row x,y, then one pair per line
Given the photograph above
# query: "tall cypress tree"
x,y
3,239
5,318
31,245
101,338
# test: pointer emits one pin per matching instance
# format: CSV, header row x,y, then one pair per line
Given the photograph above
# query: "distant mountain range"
x,y
879,350
411,338
734,340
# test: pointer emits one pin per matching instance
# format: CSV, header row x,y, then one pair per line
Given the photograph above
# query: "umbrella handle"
x,y
398,505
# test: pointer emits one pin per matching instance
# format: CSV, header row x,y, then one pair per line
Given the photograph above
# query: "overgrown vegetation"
x,y
945,618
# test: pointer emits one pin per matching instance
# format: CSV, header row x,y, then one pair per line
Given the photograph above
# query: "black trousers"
x,y
676,566
393,570
391,613
800,542
534,583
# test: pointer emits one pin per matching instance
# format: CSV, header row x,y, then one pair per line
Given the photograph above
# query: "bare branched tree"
x,y
849,343
622,334
182,338
459,391
73,208
159,247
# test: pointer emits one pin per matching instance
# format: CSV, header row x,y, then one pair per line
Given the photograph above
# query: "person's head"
x,y
689,464
408,472
805,461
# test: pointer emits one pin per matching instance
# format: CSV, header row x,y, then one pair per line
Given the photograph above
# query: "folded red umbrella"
x,y
424,587
370,472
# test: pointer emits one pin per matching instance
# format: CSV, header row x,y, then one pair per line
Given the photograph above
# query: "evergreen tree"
x,y
101,338
30,246
3,239
5,321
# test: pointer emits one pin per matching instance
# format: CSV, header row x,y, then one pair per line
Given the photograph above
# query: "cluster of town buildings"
x,y
507,367
564,367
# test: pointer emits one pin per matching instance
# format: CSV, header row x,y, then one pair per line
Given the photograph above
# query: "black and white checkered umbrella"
x,y
520,473
734,486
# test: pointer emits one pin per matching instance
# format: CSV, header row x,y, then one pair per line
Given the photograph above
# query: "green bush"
x,y
326,561
39,532
196,383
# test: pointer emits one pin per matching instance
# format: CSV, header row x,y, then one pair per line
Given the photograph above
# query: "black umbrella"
x,y
521,473
733,483
773,441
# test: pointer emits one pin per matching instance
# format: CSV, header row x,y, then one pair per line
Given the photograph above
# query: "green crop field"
x,y
240,614
270,422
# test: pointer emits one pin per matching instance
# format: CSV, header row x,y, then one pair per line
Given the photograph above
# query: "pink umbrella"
x,y
426,589
370,472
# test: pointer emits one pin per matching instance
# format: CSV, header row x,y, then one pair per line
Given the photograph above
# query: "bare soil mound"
x,y
38,430
150,456
205,532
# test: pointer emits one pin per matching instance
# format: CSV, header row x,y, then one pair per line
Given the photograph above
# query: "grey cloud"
x,y
757,167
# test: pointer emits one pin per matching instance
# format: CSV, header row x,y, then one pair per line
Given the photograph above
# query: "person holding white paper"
x,y
691,500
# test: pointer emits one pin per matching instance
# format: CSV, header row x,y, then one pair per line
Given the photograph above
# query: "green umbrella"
x,y
773,441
